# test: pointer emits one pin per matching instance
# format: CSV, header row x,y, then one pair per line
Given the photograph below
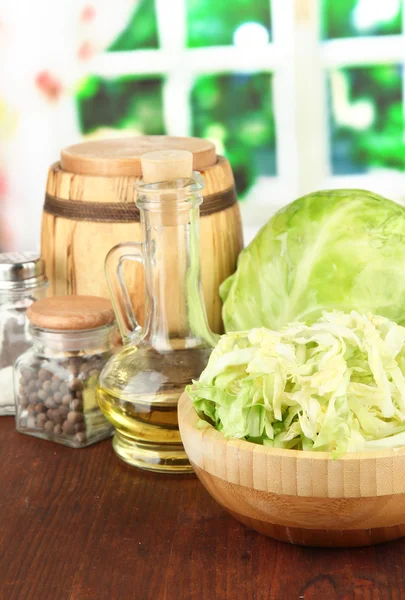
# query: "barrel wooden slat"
x,y
72,264
89,188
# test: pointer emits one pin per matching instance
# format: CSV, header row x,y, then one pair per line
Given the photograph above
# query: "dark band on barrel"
x,y
122,212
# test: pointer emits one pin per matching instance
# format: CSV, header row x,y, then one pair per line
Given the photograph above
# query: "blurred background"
x,y
298,94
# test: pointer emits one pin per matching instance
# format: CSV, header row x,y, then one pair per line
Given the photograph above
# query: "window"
x,y
362,56
299,94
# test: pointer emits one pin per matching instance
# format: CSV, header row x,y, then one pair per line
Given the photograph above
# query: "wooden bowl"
x,y
301,497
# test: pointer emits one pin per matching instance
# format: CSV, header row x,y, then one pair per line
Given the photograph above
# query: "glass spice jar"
x,y
22,282
56,380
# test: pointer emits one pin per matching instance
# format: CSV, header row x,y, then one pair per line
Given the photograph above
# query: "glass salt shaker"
x,y
56,380
22,282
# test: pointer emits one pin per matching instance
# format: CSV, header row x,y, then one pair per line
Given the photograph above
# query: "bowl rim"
x,y
189,416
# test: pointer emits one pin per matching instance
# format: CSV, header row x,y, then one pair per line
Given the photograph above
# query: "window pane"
x,y
367,122
235,111
350,18
127,103
141,31
215,23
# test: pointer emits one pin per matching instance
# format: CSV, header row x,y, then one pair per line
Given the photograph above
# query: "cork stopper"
x,y
166,165
71,313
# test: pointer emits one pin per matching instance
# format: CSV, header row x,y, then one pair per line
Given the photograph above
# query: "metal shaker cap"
x,y
21,270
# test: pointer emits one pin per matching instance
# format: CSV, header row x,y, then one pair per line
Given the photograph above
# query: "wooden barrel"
x,y
90,207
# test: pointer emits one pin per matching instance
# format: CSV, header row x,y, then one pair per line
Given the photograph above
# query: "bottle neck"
x,y
176,316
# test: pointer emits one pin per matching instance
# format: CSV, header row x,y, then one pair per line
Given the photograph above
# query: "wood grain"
x,y
121,156
80,525
301,496
71,313
74,251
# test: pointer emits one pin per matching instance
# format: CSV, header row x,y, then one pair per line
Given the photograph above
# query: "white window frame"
x,y
299,62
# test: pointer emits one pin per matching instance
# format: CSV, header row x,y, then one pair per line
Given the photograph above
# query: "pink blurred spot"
x,y
88,13
49,85
6,237
3,185
86,51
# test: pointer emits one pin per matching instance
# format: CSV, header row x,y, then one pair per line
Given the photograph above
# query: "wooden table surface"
x,y
81,525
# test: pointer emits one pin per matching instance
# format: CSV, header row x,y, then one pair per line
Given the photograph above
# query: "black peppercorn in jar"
x,y
56,380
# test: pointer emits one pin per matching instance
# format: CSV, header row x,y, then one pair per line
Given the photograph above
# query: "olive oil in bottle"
x,y
145,415
140,386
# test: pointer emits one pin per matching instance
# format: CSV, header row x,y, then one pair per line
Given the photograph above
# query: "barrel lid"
x,y
121,156
71,313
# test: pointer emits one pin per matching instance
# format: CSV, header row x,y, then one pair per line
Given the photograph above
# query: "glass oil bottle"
x,y
140,386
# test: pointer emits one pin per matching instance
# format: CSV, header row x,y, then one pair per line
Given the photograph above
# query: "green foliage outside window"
x,y
338,18
125,103
234,110
237,110
141,31
366,110
213,22
378,143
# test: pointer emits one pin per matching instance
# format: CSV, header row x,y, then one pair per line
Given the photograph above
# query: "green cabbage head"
x,y
336,249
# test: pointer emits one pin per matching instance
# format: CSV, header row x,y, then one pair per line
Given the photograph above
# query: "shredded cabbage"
x,y
335,385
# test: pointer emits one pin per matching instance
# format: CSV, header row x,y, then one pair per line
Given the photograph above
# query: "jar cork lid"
x,y
71,313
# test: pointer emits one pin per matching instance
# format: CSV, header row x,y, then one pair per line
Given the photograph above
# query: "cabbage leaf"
x,y
330,250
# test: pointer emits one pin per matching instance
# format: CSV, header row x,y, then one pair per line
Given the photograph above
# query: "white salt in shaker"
x,y
22,282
